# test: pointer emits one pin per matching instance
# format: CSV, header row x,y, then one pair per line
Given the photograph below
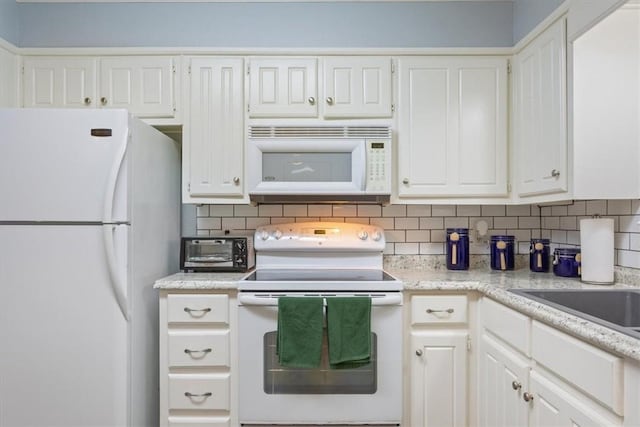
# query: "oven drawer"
x,y
202,391
197,308
433,309
198,348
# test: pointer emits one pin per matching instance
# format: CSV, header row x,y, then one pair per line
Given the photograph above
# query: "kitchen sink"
x,y
614,308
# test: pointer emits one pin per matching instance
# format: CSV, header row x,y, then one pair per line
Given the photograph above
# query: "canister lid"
x,y
566,251
463,231
543,241
502,237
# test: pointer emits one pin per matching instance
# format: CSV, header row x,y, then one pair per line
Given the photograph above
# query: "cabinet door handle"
x,y
208,394
103,101
418,352
87,101
330,100
528,397
204,351
405,181
516,385
448,310
236,180
555,173
311,100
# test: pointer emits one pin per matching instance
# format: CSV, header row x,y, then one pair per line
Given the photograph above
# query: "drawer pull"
x,y
205,395
202,311
191,352
448,310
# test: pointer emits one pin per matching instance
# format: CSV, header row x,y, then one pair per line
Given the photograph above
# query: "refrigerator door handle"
x,y
117,284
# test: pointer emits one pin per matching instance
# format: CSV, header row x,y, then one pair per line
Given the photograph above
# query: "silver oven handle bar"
x,y
272,299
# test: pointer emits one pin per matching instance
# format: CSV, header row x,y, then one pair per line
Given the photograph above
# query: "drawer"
x,y
596,372
431,309
198,308
198,348
198,422
209,392
512,327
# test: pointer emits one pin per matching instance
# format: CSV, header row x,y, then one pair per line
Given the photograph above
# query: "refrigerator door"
x,y
64,358
62,165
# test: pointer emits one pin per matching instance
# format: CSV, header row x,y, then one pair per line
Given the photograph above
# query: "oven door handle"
x,y
272,300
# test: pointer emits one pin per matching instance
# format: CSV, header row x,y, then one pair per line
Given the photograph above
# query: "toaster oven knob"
x,y
277,234
362,235
264,234
376,236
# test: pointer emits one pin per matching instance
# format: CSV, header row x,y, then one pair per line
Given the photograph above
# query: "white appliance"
x,y
328,260
89,219
319,163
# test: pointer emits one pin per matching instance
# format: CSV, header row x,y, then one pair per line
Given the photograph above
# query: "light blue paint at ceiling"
x,y
9,21
529,13
357,24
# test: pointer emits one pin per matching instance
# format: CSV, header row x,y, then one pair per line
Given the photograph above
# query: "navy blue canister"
x,y
502,252
457,248
567,262
539,255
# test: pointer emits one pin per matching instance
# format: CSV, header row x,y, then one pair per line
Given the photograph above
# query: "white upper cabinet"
x,y
452,127
540,114
144,85
283,87
59,82
357,87
213,142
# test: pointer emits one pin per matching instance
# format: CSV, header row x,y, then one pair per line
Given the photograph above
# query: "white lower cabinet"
x,y
197,359
439,359
563,382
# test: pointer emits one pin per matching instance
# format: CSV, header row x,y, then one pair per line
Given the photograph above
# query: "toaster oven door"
x,y
208,253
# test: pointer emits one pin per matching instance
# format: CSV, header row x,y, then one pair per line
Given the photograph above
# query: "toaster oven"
x,y
211,254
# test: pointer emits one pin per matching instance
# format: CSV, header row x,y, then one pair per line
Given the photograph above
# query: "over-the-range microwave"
x,y
319,163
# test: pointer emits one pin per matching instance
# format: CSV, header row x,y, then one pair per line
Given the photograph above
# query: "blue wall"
x,y
529,13
9,21
341,24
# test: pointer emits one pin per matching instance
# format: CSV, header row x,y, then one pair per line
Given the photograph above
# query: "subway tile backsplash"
x,y
420,229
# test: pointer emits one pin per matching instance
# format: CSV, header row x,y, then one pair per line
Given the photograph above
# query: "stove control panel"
x,y
314,236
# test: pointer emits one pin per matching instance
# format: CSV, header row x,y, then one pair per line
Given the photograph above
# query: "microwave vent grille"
x,y
319,132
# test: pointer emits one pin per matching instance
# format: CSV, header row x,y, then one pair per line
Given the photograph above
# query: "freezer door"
x,y
64,357
59,165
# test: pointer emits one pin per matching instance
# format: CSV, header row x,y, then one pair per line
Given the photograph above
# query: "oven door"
x,y
272,394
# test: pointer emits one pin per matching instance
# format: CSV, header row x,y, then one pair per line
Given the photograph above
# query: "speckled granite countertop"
x,y
494,284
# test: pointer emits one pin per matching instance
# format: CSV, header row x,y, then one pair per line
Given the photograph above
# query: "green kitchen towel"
x,y
349,330
299,339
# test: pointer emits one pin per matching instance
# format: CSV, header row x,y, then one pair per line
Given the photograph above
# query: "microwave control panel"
x,y
378,164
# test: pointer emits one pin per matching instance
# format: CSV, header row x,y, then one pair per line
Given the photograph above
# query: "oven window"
x,y
321,380
306,167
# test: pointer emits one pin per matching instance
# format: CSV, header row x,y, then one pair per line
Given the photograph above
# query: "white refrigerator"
x,y
89,219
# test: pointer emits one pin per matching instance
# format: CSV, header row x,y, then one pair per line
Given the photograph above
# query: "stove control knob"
x,y
264,235
362,235
277,234
376,236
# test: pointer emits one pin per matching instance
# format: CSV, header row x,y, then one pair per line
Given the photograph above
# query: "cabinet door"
x,y
8,79
142,85
439,378
214,140
553,406
452,128
541,115
357,87
59,82
283,87
503,378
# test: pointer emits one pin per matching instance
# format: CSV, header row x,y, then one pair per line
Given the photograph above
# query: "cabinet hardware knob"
x,y
528,397
330,100
311,100
516,385
555,173
236,180
103,101
204,351
448,310
208,394
418,352
87,101
405,181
